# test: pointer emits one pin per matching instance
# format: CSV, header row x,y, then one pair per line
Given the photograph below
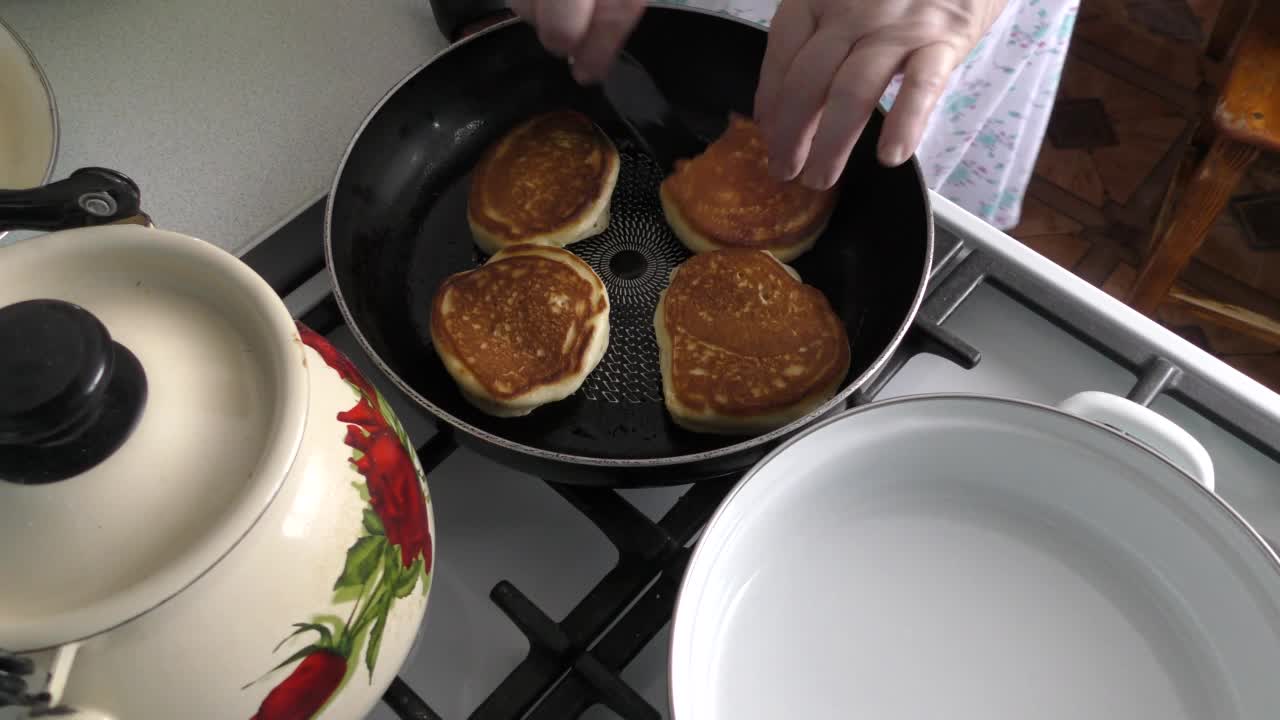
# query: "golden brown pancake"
x,y
523,330
745,346
725,198
547,181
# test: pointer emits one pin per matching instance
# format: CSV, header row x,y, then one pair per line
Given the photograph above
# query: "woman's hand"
x,y
829,61
588,32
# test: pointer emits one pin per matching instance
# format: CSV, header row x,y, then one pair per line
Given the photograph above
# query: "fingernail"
x,y
762,121
893,155
811,179
780,170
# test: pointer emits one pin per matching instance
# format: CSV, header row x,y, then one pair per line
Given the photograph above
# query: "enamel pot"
x,y
205,510
980,558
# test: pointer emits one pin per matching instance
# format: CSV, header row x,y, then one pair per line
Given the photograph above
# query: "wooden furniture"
x,y
1245,120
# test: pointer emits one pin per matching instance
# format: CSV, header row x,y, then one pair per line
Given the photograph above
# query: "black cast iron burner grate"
x,y
577,663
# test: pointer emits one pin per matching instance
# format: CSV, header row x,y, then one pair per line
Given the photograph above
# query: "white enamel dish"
x,y
974,558
28,117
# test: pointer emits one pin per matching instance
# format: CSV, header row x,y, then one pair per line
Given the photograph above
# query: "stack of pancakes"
x,y
744,345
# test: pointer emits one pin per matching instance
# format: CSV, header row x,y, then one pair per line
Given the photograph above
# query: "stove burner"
x,y
634,258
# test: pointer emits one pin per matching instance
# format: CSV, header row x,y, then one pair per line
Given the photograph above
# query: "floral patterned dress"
x,y
984,135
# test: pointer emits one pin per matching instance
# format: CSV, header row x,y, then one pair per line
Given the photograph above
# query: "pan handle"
x,y
88,196
1148,427
459,18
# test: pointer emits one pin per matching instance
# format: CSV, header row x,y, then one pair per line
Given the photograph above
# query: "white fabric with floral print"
x,y
982,140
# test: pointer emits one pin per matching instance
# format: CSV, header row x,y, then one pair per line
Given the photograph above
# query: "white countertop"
x,y
231,116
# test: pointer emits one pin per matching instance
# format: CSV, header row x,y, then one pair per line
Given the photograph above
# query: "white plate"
x,y
28,117
975,559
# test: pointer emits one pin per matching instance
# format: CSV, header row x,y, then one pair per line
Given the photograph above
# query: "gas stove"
x,y
552,601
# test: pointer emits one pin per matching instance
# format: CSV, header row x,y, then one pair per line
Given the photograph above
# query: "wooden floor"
x,y
1134,82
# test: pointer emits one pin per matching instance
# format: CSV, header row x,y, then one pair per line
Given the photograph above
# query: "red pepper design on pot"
x,y
307,688
387,560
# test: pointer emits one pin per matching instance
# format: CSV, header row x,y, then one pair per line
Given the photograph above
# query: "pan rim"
x,y
606,462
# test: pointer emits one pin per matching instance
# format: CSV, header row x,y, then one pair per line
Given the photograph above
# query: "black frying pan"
x,y
396,226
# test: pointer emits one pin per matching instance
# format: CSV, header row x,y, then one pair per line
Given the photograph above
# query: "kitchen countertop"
x,y
231,116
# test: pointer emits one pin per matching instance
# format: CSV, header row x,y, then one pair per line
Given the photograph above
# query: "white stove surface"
x,y
496,524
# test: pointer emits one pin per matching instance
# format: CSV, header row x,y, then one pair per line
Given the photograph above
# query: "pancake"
x,y
548,181
725,198
523,330
746,347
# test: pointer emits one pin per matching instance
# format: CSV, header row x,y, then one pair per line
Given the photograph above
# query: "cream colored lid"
x,y
28,119
226,399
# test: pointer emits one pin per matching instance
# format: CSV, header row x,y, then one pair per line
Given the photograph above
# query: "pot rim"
x,y
56,142
288,388
1270,554
607,463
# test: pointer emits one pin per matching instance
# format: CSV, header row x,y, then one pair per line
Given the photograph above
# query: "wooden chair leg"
x,y
1206,195
1189,161
1241,320
1226,28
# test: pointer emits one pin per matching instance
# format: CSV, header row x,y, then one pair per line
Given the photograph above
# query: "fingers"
x,y
793,122
791,28
524,9
562,24
923,80
855,92
612,21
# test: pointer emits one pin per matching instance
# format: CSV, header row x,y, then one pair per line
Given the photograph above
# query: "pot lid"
x,y
153,393
28,117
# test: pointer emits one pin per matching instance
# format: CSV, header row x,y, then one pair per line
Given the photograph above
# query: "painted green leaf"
x,y
385,410
407,579
362,489
325,634
292,658
375,635
362,561
392,567
296,656
372,523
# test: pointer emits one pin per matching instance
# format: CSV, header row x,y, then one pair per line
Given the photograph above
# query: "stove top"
x,y
553,601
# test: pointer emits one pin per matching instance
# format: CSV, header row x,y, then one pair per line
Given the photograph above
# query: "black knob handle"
x,y
69,394
88,196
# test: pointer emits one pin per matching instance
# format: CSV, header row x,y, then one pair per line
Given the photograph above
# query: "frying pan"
x,y
395,227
